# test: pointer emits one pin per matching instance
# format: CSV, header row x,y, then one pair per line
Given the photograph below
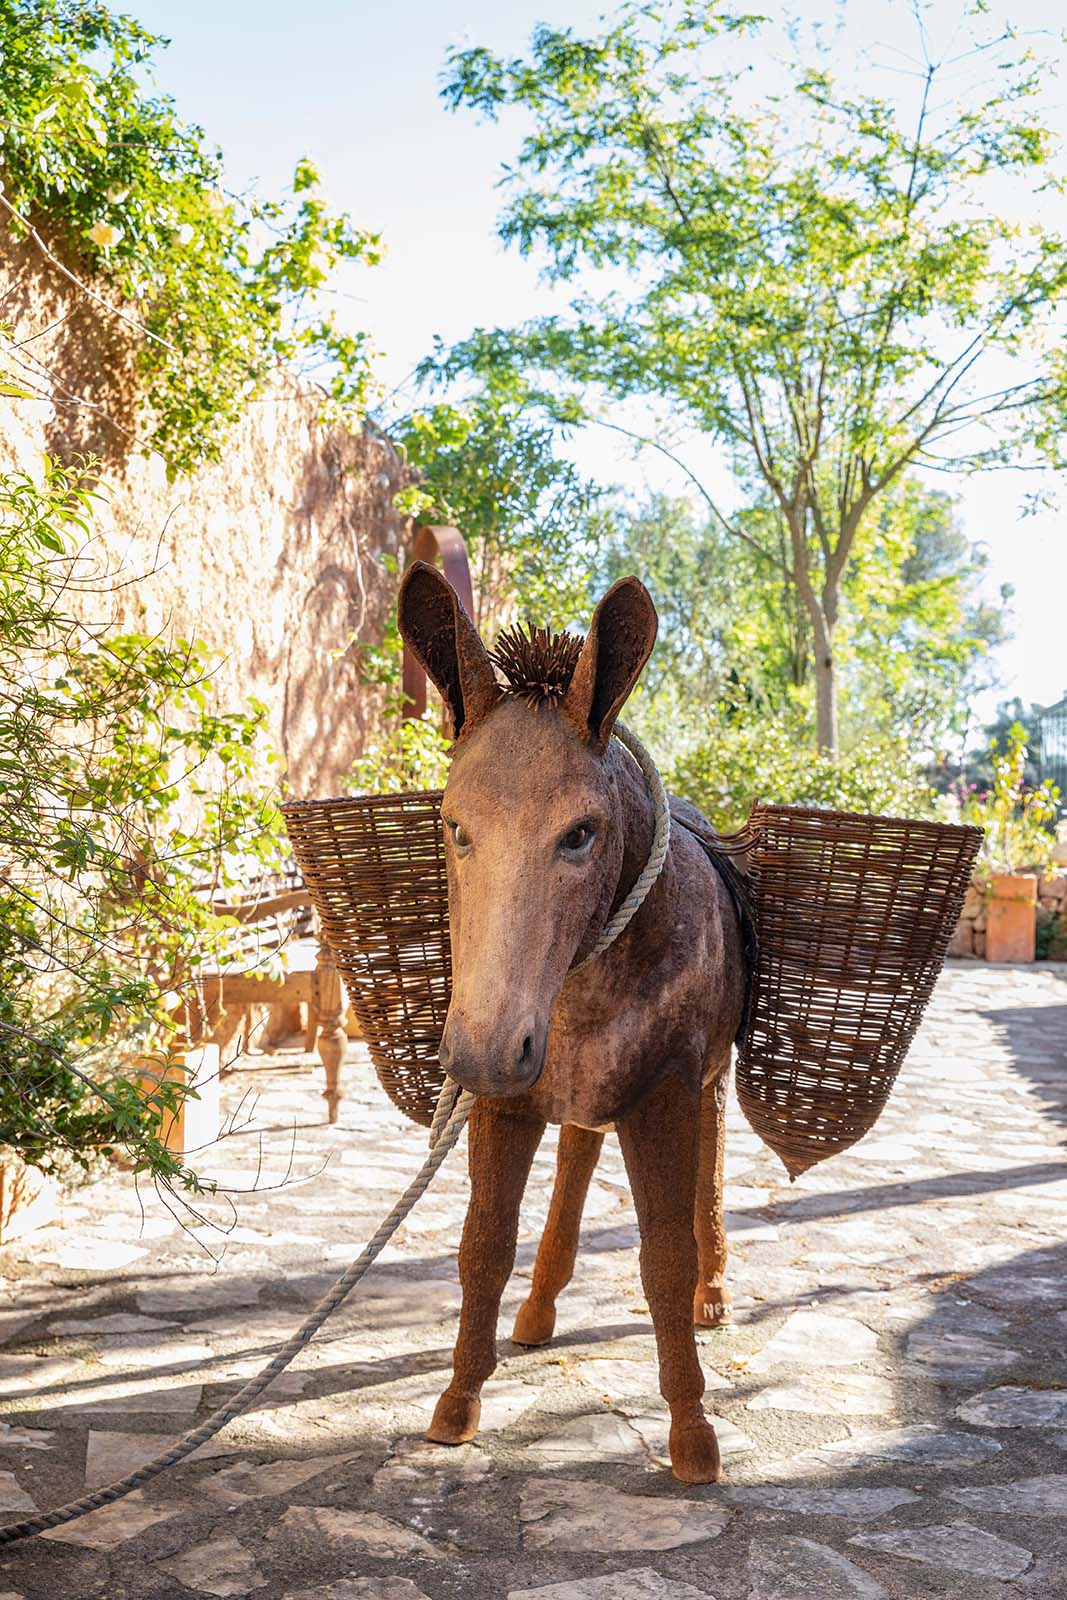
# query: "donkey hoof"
x,y
695,1453
455,1419
712,1306
534,1323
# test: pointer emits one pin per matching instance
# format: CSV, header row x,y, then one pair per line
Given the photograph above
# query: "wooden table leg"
x,y
332,1041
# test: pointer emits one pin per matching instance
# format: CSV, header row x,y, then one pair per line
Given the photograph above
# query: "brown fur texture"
x,y
548,825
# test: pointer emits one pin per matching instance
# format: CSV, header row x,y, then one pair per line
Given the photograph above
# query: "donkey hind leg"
x,y
502,1145
579,1149
712,1305
659,1145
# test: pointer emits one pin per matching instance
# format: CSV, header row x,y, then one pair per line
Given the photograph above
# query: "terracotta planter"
x,y
1011,917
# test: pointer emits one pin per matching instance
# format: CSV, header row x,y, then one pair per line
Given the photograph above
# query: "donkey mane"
x,y
536,663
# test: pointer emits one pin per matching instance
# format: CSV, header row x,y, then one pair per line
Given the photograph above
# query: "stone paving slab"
x,y
892,1399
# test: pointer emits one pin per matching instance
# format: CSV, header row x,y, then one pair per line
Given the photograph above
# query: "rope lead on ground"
x,y
449,1119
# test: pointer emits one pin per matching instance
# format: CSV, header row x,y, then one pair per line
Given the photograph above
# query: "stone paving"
x,y
892,1399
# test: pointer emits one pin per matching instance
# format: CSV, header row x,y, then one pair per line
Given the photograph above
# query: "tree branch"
x,y
723,521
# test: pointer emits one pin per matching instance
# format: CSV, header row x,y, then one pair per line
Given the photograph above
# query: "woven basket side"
x,y
854,915
374,867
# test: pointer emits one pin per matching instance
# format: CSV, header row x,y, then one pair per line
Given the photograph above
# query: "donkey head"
x,y
534,831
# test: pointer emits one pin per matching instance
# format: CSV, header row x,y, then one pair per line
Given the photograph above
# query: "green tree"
x,y
531,521
914,636
916,625
533,526
829,294
728,640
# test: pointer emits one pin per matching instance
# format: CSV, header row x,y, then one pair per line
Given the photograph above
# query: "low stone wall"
x,y
969,939
1052,918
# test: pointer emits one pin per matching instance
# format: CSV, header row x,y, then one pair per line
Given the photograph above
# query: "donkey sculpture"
x,y
547,826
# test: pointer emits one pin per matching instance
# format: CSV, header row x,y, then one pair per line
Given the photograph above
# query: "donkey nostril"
x,y
527,1050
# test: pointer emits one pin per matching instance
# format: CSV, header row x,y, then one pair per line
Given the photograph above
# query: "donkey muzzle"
x,y
506,1060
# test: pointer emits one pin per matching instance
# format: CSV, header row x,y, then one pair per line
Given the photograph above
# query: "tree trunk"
x,y
826,697
822,613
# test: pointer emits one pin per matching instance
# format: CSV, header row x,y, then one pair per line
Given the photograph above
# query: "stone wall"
x,y
271,556
1051,912
1052,917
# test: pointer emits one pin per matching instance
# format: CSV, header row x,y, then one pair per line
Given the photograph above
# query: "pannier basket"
x,y
853,916
374,866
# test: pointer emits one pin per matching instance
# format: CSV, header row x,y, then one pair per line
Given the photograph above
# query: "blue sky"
x,y
355,87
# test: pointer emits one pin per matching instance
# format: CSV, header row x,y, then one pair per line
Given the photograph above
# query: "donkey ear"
x,y
618,644
445,642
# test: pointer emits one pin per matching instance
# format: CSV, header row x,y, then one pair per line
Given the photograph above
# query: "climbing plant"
x,y
223,286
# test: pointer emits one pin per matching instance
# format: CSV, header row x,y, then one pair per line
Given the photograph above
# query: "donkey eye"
x,y
460,837
578,838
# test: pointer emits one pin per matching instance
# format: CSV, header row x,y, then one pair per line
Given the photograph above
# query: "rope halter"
x,y
657,855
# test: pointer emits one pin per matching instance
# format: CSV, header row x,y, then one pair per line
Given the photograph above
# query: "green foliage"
x,y
530,520
1051,935
532,526
414,754
225,286
763,759
721,624
733,653
915,631
827,294
129,804
1018,818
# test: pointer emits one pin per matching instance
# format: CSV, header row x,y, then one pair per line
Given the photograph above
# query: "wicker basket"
x,y
375,869
853,915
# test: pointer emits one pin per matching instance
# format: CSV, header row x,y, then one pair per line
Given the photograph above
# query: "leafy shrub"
x,y
1018,817
1051,935
129,803
531,521
760,758
414,754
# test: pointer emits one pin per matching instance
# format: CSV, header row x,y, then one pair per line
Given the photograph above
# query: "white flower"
x,y
104,234
117,193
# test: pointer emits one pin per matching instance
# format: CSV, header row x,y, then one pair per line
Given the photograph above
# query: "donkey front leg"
x,y
660,1146
579,1150
502,1145
712,1305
